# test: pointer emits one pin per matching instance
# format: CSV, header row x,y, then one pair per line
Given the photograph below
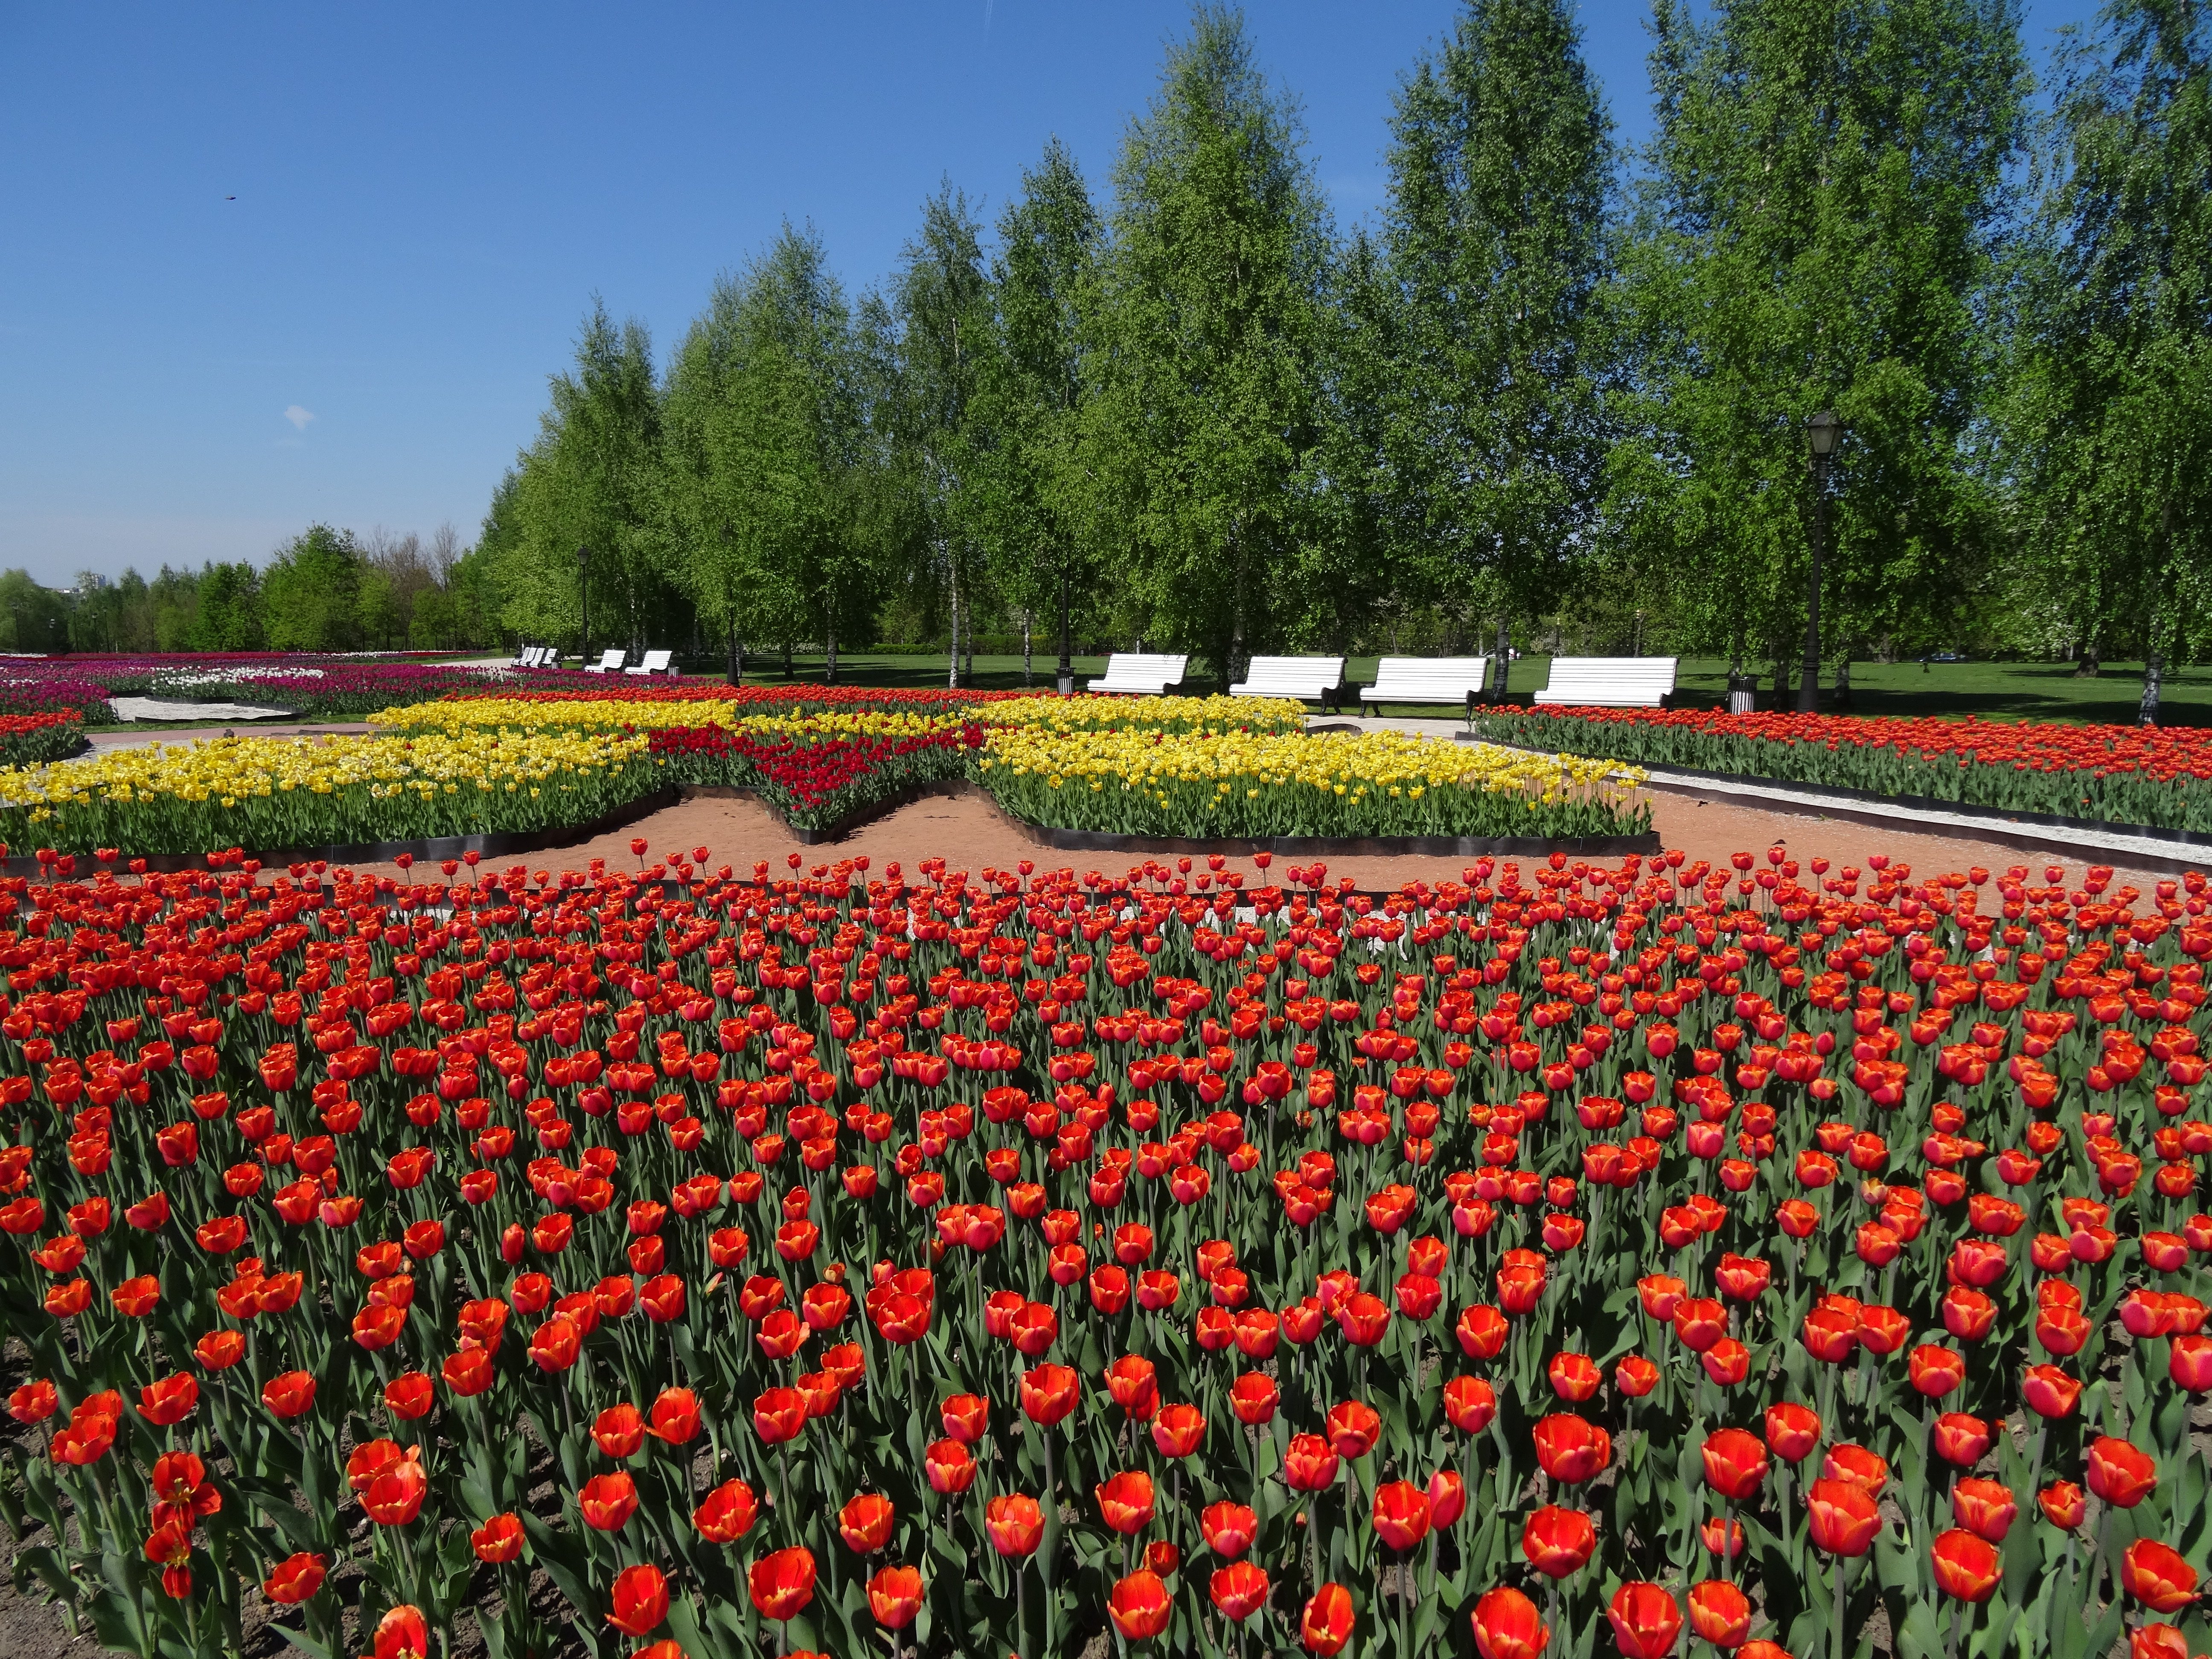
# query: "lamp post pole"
x,y
1821,432
1066,644
583,602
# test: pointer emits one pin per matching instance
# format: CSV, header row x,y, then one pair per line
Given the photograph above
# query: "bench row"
x,y
1606,682
610,661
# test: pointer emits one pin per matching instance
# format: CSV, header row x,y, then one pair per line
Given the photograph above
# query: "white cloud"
x,y
299,416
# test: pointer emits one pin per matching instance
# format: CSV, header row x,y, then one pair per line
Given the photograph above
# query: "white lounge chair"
x,y
1426,680
1139,674
1307,679
610,661
538,656
522,656
656,662
1610,682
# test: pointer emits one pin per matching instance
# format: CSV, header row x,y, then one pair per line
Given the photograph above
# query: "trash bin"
x,y
1740,703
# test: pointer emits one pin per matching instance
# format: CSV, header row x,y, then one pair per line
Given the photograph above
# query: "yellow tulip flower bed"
x,y
1235,783
273,794
1262,715
1184,767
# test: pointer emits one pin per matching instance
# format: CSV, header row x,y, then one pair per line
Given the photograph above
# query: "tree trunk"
x,y
1843,682
736,656
786,656
1028,678
829,642
2154,671
1501,665
952,665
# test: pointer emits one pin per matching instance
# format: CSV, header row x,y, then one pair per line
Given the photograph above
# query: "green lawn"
x,y
2047,691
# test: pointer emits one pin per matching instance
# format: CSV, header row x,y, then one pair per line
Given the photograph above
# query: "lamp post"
x,y
1821,431
583,602
1066,644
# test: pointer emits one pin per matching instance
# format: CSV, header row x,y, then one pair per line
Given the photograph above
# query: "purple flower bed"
x,y
314,687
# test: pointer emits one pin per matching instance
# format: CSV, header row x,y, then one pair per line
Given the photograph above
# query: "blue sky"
x,y
426,199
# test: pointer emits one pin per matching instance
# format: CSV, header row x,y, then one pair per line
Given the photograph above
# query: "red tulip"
x,y
1966,1568
1049,1393
1447,1497
1792,1431
1470,1404
2119,1473
2063,1504
1558,1541
1309,1464
1140,1606
1843,1517
1015,1524
498,1541
1239,1589
640,1596
1125,1501
1228,1529
1325,1624
950,1467
1720,1613
1508,1626
1736,1464
608,1501
1178,1430
865,1521
1645,1621
1354,1427
294,1579
727,1513
1984,1508
894,1597
2157,1576
1401,1515
1571,1448
783,1584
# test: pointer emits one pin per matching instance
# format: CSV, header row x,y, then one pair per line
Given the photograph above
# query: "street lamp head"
x,y
583,557
1823,430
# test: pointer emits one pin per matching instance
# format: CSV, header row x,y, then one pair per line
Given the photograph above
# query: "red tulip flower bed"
x,y
33,739
2160,776
817,781
1569,1256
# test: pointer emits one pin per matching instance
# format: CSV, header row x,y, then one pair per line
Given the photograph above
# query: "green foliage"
x,y
1501,162
594,479
1031,481
2112,415
767,443
312,592
1827,195
31,619
1213,336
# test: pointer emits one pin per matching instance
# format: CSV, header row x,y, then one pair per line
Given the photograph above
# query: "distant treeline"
x,y
325,590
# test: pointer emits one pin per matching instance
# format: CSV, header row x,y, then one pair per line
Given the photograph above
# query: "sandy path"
x,y
968,833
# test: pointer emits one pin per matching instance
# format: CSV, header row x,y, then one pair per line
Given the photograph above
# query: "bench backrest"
x,y
656,662
1293,677
611,658
1448,678
1145,668
1608,674
538,656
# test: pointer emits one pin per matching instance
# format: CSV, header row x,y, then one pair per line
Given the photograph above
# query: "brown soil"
x,y
971,834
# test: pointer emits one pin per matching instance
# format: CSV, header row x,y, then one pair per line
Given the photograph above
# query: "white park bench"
x,y
1610,682
1139,674
1426,680
1307,679
541,656
610,661
656,662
